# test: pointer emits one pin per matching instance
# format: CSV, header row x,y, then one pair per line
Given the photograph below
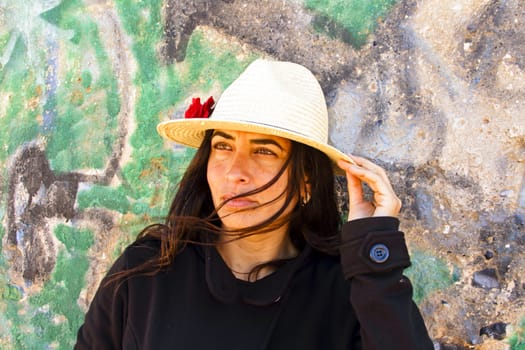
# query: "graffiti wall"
x,y
433,90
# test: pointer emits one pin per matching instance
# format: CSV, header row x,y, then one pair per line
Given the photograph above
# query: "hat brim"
x,y
190,132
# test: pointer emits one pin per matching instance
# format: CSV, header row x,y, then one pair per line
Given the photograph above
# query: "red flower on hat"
x,y
198,110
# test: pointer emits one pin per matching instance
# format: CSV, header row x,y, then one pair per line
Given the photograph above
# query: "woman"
x,y
253,254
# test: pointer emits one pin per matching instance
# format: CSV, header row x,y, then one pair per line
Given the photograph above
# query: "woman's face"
x,y
241,162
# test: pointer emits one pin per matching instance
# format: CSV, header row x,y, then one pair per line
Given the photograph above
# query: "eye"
x,y
221,146
265,151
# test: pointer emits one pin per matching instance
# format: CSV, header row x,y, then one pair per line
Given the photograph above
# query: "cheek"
x,y
280,186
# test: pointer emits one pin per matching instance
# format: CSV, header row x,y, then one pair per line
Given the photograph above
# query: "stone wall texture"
x,y
433,90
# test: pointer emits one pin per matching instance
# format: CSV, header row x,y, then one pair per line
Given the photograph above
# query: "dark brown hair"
x,y
192,217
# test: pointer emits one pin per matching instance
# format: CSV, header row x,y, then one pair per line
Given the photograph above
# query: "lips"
x,y
238,203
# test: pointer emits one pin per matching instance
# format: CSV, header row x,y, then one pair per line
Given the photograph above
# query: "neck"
x,y
244,254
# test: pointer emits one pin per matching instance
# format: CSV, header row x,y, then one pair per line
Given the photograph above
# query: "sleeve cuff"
x,y
372,245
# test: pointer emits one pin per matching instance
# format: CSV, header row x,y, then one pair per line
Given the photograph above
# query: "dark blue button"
x,y
379,253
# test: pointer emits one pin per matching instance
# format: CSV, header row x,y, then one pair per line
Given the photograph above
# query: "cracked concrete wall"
x,y
432,90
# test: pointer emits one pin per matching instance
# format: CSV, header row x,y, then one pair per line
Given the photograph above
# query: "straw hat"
x,y
270,97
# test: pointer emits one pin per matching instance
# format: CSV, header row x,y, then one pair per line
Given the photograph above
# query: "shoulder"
x,y
140,251
326,269
147,249
134,255
325,261
321,282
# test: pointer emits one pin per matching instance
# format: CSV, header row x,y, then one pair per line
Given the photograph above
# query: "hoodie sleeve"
x,y
373,257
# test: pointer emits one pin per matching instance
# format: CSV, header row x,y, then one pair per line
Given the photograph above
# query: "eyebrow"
x,y
261,141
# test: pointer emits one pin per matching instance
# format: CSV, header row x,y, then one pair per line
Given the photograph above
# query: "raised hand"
x,y
384,201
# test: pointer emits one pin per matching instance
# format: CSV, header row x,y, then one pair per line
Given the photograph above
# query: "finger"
x,y
385,200
368,164
358,206
379,176
354,185
370,173
375,180
355,189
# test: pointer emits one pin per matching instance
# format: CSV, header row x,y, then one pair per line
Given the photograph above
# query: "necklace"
x,y
235,271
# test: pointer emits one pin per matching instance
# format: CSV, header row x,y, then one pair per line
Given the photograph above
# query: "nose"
x,y
238,171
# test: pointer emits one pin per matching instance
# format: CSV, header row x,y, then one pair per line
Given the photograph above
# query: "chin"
x,y
238,221
237,224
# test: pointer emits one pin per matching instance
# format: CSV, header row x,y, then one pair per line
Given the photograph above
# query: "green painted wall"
x,y
83,85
